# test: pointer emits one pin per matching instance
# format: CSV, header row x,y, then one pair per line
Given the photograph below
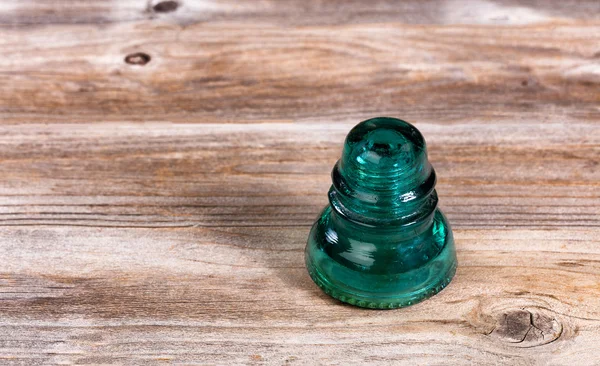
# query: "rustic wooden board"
x,y
514,62
156,212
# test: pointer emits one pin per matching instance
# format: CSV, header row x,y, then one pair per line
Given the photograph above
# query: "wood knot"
x,y
530,82
524,328
138,58
165,6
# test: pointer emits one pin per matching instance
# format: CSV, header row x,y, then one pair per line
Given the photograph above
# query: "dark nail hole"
x,y
524,83
138,58
166,6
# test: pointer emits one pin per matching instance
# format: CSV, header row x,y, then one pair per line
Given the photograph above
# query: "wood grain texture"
x,y
513,61
155,211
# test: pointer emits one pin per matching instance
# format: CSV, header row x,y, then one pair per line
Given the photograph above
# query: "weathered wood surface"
x,y
155,211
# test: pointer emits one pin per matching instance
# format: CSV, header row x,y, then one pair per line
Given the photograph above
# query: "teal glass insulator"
x,y
382,242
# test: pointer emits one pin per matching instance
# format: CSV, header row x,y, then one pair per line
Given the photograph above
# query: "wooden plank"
x,y
252,71
193,296
172,175
299,12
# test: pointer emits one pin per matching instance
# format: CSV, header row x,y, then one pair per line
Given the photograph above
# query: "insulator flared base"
x,y
363,282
